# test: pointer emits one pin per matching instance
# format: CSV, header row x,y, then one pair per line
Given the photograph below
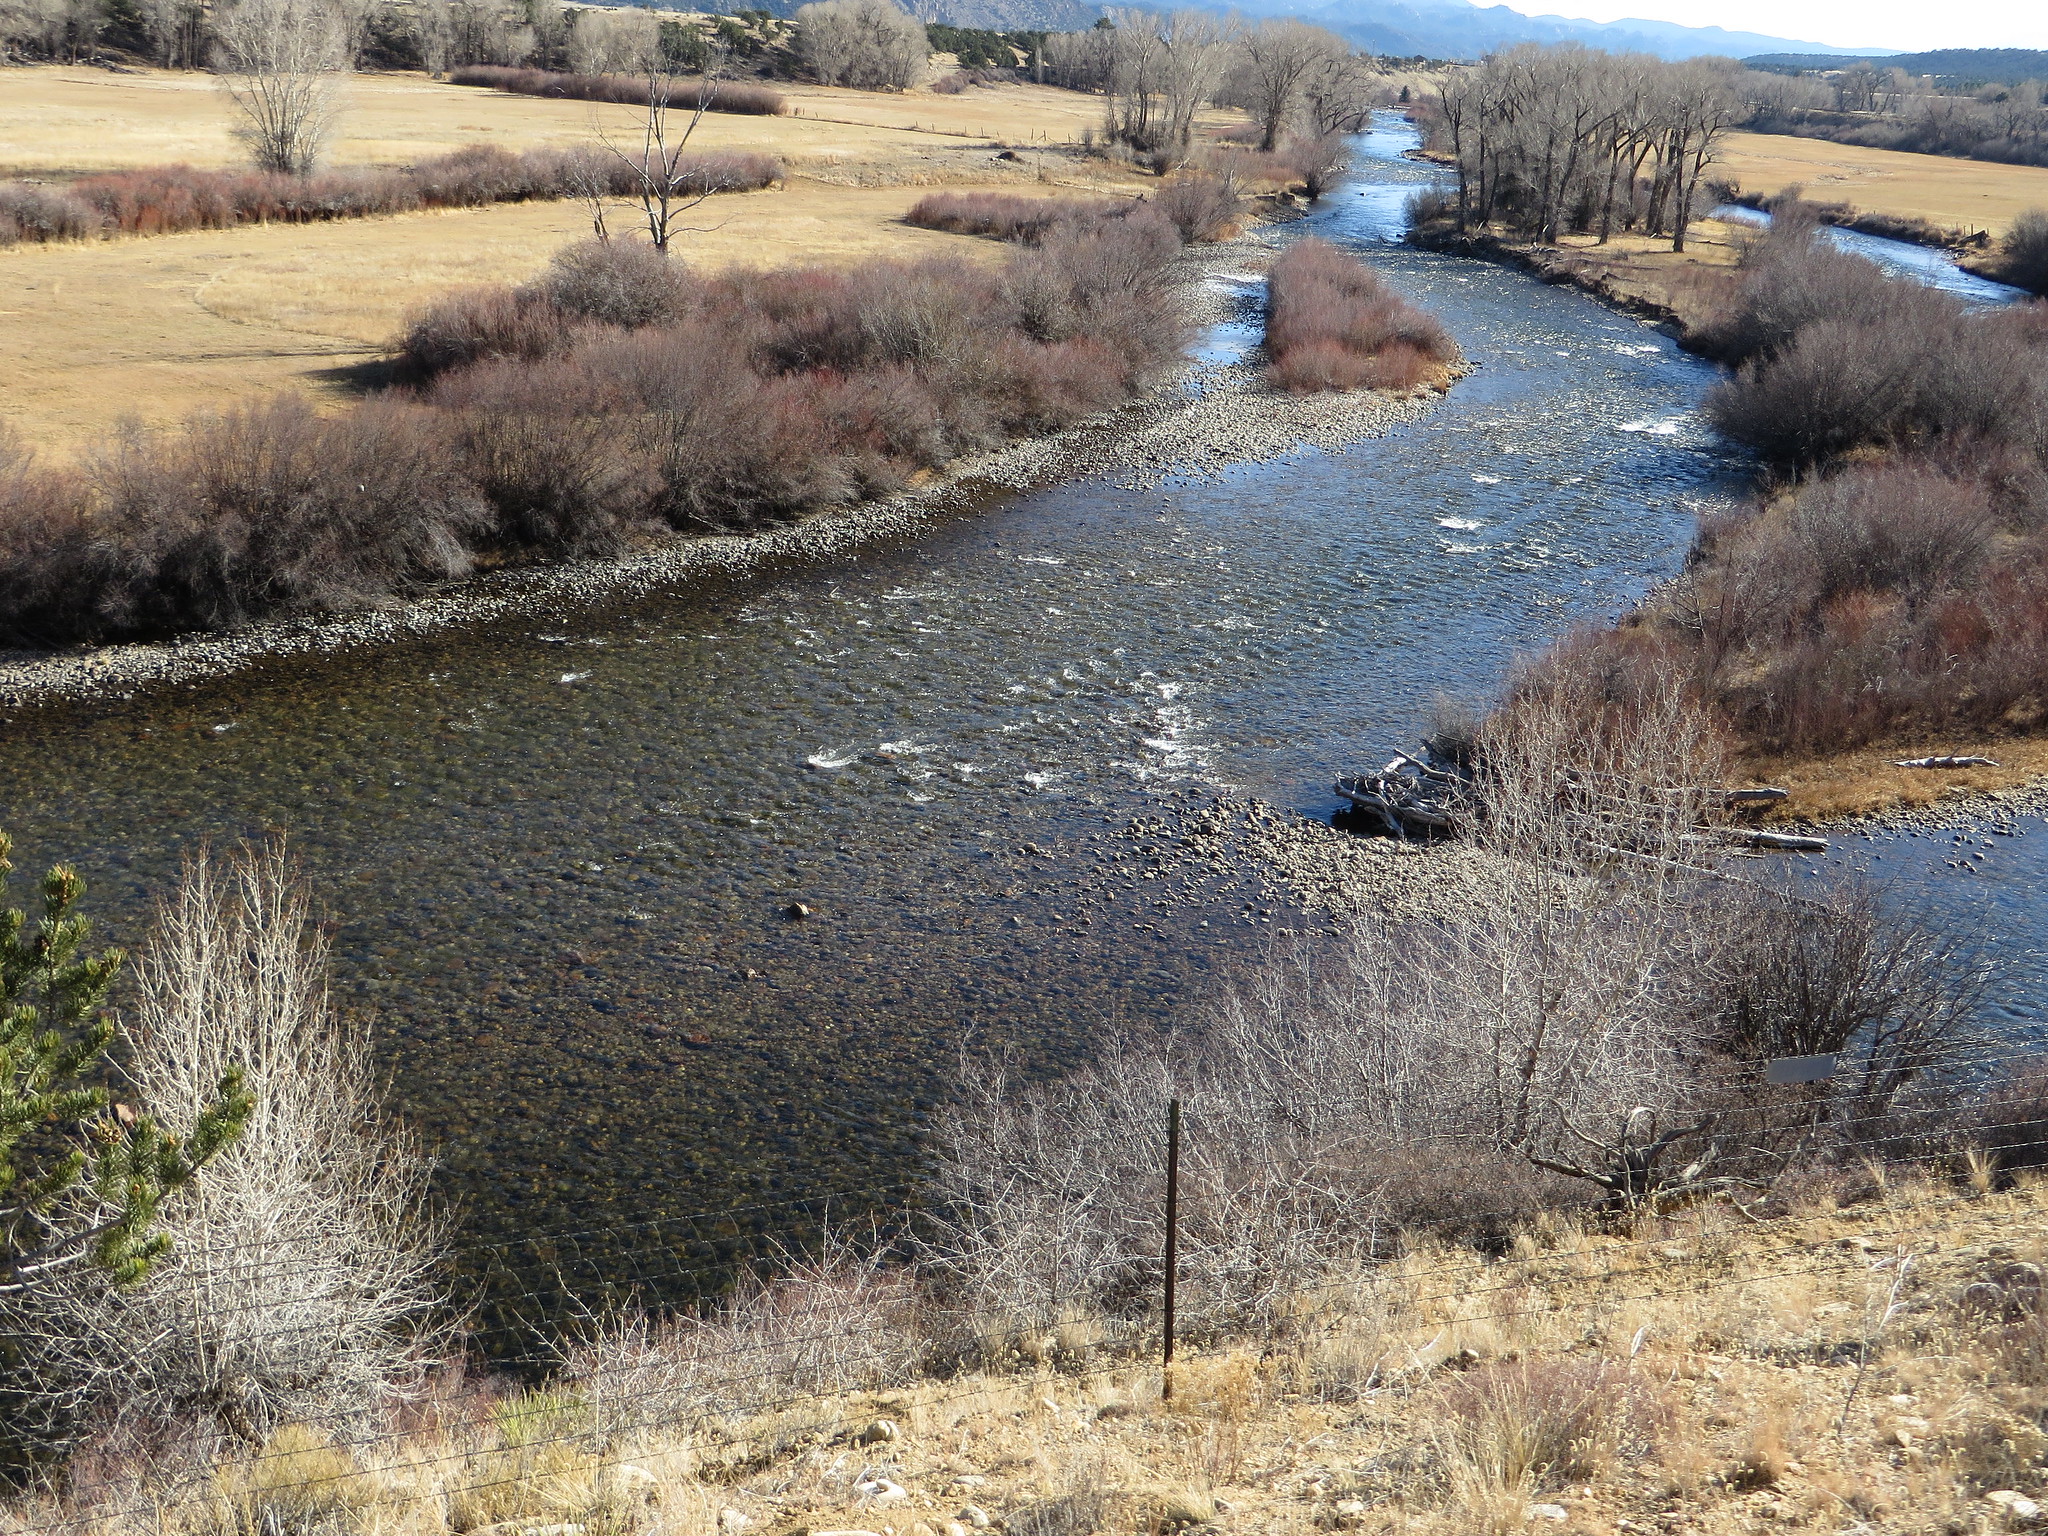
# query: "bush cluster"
x,y
1334,323
166,199
620,396
1895,586
744,97
1010,215
2023,253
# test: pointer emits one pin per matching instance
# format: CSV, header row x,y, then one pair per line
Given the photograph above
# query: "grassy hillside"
x,y
1871,1360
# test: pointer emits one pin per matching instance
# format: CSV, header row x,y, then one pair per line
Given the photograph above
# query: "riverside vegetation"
x,y
1477,1216
1886,584
621,396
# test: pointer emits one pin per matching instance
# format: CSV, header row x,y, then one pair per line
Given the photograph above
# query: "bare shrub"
x,y
619,282
301,1272
1319,161
536,441
618,396
49,563
1006,215
1203,206
1333,323
744,97
834,1324
272,508
2023,252
31,215
1889,596
164,199
474,324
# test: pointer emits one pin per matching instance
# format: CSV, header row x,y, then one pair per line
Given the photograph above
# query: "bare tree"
x,y
1161,71
1340,92
614,42
283,63
1551,138
659,174
1276,62
871,45
303,1261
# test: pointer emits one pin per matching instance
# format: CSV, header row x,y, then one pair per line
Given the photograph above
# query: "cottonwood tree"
x,y
283,63
871,45
51,29
1551,138
1276,63
614,42
1159,71
301,1269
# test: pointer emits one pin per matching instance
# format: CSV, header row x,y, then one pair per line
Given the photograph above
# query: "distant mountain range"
x,y
1437,29
1951,66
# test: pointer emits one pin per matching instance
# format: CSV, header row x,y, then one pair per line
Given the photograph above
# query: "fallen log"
x,y
1750,837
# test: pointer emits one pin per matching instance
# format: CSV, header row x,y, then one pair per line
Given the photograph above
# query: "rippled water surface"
x,y
558,854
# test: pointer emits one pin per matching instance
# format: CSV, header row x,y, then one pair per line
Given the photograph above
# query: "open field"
x,y
154,329
65,121
1968,195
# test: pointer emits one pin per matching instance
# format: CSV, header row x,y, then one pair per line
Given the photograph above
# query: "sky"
x,y
1906,26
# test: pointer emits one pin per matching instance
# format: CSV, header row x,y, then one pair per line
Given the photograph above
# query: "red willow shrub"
x,y
1010,215
1334,323
1900,587
1204,207
618,397
165,199
738,96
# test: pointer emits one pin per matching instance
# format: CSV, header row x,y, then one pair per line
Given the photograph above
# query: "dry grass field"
x,y
1968,195
1868,1362
65,121
155,329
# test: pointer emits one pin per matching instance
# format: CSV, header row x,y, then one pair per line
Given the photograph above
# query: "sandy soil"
x,y
1968,195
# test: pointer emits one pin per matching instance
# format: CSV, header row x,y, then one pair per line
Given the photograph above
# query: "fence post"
x,y
1172,1242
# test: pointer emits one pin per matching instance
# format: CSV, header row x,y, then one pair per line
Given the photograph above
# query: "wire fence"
x,y
717,1377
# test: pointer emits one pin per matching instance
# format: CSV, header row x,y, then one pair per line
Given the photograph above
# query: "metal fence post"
x,y
1172,1242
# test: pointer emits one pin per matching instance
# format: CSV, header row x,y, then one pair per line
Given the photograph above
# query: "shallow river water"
x,y
558,855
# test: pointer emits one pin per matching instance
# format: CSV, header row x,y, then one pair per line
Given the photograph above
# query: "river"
x,y
559,857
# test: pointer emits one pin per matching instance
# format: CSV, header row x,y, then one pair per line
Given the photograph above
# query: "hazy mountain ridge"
x,y
1438,29
1976,66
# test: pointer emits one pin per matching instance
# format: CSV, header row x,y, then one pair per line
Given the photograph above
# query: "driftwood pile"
x,y
1428,798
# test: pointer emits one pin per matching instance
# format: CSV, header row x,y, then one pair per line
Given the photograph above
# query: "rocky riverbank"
x,y
1209,417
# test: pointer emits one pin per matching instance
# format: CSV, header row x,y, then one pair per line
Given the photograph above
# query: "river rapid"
x,y
559,857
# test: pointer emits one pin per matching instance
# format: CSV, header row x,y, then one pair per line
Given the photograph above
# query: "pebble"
x,y
881,1491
